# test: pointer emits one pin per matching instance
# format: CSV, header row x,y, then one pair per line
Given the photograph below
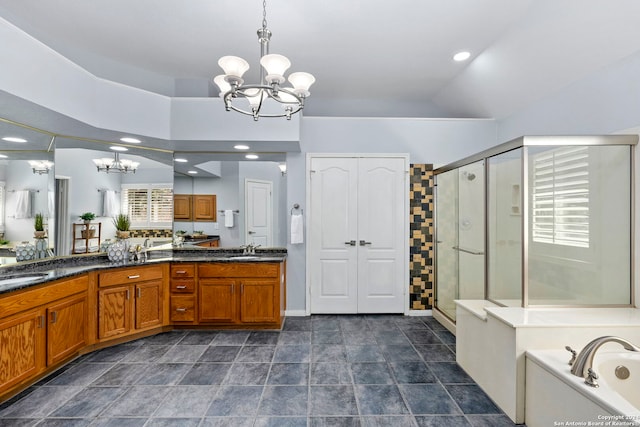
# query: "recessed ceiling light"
x,y
251,156
130,140
118,148
13,139
193,172
241,147
2,156
461,56
180,160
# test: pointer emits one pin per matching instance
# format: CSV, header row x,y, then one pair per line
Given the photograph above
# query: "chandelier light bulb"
x,y
275,65
233,66
301,83
222,84
254,96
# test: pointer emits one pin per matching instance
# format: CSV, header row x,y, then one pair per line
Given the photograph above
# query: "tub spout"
x,y
584,362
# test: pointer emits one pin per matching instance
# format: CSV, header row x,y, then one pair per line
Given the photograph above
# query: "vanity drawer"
x,y
183,308
186,286
238,269
129,275
179,271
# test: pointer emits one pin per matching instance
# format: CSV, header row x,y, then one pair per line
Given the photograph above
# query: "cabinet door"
x,y
66,329
22,347
182,207
114,311
148,304
204,207
259,301
216,300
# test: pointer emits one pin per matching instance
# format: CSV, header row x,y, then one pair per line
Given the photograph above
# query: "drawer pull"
x,y
181,272
127,294
135,276
181,287
139,293
181,310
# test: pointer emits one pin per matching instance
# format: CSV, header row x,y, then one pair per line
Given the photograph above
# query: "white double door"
x,y
358,222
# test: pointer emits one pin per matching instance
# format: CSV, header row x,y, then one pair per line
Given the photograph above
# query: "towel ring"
x,y
296,207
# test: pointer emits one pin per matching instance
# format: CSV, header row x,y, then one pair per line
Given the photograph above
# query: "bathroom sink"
x,y
22,279
244,257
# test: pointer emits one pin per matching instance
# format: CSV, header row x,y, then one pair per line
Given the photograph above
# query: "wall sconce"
x,y
283,168
40,166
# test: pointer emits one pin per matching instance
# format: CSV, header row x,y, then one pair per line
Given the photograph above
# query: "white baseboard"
x,y
420,313
295,313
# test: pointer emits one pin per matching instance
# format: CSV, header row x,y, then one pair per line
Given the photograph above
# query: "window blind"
x,y
560,199
148,205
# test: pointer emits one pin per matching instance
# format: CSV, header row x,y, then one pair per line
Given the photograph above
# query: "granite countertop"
x,y
31,273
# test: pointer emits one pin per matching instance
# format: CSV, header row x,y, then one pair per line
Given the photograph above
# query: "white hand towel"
x,y
297,229
23,204
228,218
109,203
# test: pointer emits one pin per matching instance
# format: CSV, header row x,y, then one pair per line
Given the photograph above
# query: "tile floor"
x,y
318,371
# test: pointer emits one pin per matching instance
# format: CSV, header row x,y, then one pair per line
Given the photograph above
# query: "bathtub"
x,y
555,397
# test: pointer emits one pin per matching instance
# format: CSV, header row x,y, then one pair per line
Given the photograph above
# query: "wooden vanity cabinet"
x,y
130,299
41,327
241,293
183,293
182,207
194,207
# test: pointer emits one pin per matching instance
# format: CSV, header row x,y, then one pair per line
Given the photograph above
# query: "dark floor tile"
x,y
297,324
445,336
206,374
164,373
436,353
145,353
491,421
292,353
167,338
330,373
121,374
364,353
388,421
18,422
452,347
284,400
325,324
220,354
289,374
364,337
335,422
280,422
428,399
390,338
263,338
423,337
294,337
371,373
256,353
326,337
400,353
81,374
449,373
198,338
227,422
109,354
173,422
353,324
433,324
183,354
332,400
410,324
472,400
230,338
118,422
412,372
247,374
138,401
64,422
235,401
40,402
380,400
442,421
89,402
328,353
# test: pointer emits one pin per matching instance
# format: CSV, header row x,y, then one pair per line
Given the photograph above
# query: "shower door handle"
x,y
468,251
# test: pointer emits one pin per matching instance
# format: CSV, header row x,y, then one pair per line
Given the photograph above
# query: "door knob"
x,y
251,232
362,243
350,243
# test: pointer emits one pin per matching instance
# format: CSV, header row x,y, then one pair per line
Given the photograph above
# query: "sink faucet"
x,y
146,242
583,365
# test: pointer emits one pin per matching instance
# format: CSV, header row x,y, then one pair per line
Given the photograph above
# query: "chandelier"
x,y
255,96
40,166
117,165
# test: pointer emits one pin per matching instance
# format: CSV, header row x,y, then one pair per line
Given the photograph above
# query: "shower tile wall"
x,y
421,238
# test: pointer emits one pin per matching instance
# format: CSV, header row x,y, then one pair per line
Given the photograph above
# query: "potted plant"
x,y
87,217
122,224
38,225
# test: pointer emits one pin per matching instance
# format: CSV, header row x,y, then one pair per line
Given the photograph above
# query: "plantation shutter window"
x,y
148,205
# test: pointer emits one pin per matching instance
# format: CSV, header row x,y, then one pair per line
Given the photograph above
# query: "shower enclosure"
x,y
538,221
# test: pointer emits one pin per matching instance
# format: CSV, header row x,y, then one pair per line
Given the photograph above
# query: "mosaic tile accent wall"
x,y
421,238
152,233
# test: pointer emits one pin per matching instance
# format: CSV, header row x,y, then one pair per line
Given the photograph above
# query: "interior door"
x,y
259,223
356,238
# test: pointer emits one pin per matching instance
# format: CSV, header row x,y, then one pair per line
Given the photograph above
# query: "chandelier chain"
x,y
264,14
